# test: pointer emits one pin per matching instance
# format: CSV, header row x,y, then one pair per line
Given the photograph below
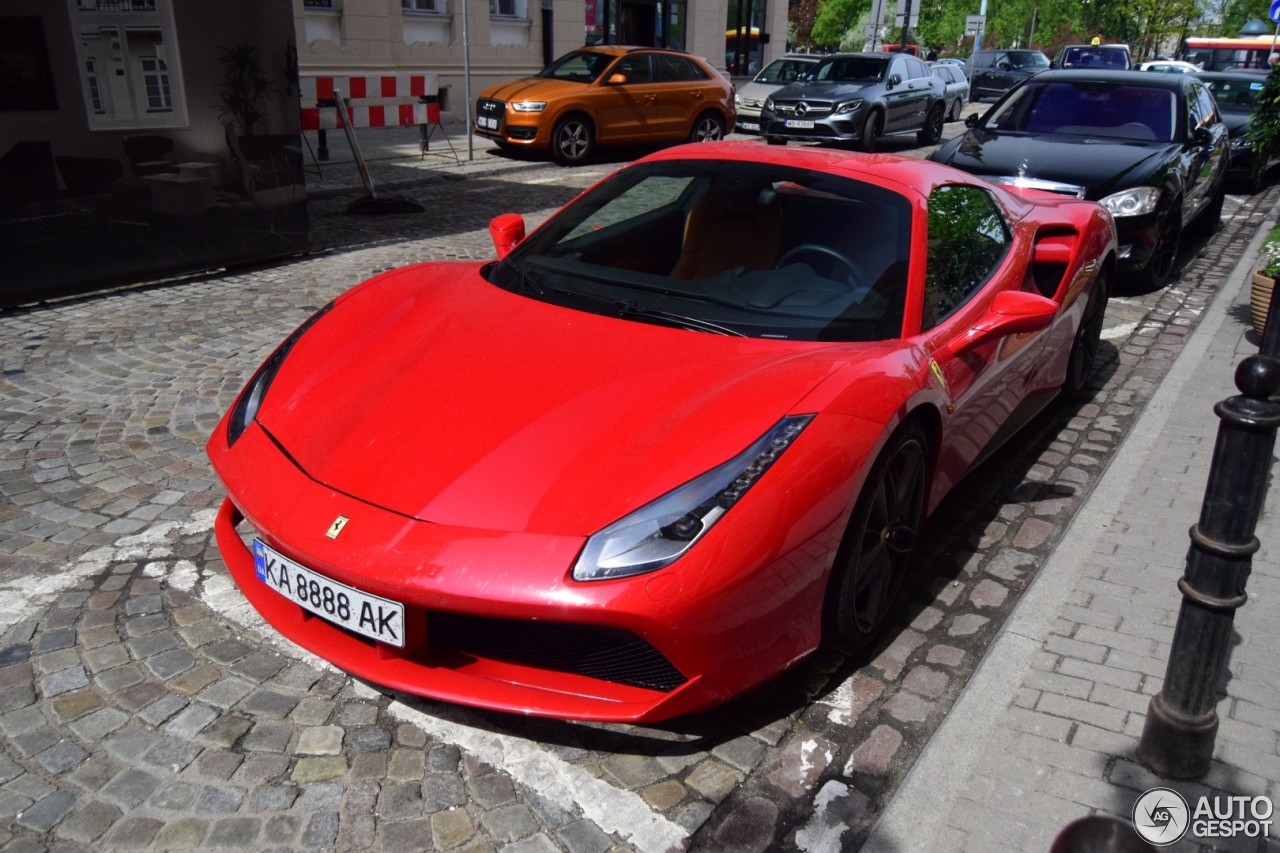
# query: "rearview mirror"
x,y
507,231
973,120
1012,312
895,80
618,79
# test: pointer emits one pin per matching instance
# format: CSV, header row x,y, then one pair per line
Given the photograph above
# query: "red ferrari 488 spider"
x,y
668,443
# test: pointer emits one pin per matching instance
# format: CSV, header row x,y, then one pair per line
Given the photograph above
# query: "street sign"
x,y
900,20
975,24
1275,11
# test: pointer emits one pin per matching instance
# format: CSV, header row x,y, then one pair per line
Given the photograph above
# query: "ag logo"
x,y
1161,816
336,528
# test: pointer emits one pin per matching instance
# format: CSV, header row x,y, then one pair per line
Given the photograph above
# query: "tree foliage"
x,y
1149,27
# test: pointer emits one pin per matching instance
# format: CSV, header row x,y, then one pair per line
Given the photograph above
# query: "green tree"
x,y
835,18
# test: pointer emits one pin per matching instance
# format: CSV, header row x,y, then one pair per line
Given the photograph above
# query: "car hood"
x,y
825,91
758,91
539,88
434,394
1100,165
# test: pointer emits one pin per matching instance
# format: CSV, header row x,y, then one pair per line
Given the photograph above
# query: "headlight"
x,y
737,100
1241,142
847,107
1134,202
768,103
528,106
251,397
659,533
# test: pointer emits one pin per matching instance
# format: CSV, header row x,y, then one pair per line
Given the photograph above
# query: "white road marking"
x,y
614,810
1116,333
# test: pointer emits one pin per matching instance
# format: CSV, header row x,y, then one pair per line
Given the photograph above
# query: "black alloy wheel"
x,y
1084,349
875,554
932,130
1164,257
871,129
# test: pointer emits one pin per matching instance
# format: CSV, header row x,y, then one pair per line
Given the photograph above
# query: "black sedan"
x,y
1151,148
858,97
1237,95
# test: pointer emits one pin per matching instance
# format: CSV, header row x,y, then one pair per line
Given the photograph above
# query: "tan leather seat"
x,y
724,231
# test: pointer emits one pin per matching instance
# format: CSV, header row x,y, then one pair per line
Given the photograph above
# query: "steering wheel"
x,y
855,276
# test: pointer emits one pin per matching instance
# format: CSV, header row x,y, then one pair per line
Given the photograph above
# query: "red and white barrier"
x,y
375,100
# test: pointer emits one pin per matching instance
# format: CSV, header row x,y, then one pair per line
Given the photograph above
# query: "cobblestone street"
x,y
145,705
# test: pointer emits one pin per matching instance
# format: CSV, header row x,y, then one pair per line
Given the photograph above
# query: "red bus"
x,y
1219,53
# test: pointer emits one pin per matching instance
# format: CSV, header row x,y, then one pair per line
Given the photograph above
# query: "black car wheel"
x,y
572,140
876,551
932,130
1084,349
871,130
1164,257
956,106
708,127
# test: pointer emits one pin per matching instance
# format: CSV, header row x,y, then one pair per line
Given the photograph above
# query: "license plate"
x,y
801,124
487,123
368,615
748,125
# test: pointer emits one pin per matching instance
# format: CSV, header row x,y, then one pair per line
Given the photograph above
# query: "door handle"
x,y
649,99
697,96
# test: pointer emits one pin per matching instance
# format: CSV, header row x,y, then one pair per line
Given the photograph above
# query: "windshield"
x,y
849,69
1034,59
1237,95
1088,109
582,66
1095,57
736,248
784,71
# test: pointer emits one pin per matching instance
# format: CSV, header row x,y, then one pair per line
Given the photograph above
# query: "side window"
x,y
636,67
675,69
918,69
968,237
1207,104
899,67
1195,112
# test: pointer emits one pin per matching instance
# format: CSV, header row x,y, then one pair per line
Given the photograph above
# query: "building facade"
x,y
504,39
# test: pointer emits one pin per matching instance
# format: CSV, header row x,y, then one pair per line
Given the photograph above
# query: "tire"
x,y
775,140
1164,258
707,127
932,130
871,129
875,553
956,106
1084,349
572,140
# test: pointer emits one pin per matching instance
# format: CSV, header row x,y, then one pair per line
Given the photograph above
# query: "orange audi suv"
x,y
608,95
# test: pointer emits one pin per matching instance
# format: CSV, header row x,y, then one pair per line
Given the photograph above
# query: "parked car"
x,y
1112,57
785,70
858,97
1236,93
1150,148
608,95
1170,66
956,92
765,378
991,73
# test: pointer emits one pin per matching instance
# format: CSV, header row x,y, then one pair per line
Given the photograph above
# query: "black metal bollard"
x,y
1177,740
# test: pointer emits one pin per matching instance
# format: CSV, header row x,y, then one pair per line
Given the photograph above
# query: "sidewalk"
x,y
1046,730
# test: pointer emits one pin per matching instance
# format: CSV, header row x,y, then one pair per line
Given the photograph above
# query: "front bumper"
x,y
846,127
481,631
1136,239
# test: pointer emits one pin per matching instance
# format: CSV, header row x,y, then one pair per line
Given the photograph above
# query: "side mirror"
x,y
1202,136
1012,312
972,120
895,80
618,79
1003,66
507,231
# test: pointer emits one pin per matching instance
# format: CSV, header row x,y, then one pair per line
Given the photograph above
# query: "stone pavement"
x,y
144,706
1046,730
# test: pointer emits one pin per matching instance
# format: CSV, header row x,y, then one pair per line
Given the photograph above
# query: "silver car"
x,y
781,72
957,87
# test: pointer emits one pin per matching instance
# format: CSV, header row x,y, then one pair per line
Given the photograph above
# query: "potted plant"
x,y
244,86
1264,280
